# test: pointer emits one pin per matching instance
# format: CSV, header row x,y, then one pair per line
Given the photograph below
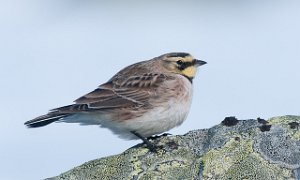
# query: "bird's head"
x,y
181,63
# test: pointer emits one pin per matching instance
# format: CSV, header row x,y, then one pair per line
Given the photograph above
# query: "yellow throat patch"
x,y
189,71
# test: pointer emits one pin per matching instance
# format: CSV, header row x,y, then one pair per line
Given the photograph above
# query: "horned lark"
x,y
143,99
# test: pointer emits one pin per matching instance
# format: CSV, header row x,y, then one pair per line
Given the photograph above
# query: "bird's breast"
x,y
169,112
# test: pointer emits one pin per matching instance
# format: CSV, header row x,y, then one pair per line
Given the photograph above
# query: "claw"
x,y
158,136
152,147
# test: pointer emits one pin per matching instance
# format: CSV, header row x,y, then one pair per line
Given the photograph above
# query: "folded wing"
x,y
124,92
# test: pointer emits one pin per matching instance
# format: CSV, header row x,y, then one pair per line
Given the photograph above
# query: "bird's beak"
x,y
199,62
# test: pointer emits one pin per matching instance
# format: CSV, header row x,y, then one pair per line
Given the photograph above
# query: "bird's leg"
x,y
150,145
158,136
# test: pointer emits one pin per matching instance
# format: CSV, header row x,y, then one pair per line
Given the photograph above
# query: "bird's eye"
x,y
179,62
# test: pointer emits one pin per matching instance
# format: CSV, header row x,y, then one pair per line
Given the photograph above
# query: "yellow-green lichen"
x,y
105,168
139,163
180,163
218,161
255,167
285,121
136,163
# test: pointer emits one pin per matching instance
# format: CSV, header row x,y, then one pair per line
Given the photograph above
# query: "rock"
x,y
235,149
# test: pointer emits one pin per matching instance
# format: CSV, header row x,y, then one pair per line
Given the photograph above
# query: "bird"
x,y
142,100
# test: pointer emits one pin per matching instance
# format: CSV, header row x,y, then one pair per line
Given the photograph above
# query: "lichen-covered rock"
x,y
245,149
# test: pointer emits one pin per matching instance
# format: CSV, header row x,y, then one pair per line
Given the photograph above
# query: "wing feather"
x,y
134,91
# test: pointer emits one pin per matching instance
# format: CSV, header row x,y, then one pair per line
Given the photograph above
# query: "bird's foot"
x,y
151,146
158,136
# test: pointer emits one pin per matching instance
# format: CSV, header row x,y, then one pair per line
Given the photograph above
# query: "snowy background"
x,y
52,52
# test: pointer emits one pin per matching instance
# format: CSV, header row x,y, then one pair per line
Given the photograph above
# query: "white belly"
x,y
160,120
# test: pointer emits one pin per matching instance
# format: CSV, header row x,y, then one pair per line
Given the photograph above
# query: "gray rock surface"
x,y
235,149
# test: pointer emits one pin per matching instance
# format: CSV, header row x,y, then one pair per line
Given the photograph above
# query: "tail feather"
x,y
44,120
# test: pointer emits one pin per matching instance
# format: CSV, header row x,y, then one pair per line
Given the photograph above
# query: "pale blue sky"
x,y
52,52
